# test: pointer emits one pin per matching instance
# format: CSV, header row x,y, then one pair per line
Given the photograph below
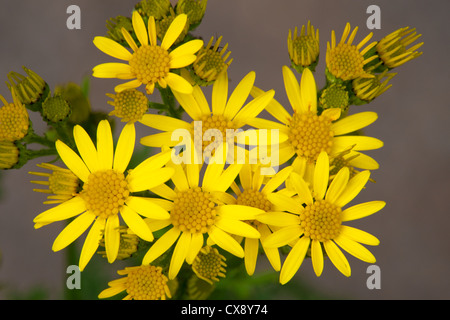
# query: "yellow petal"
x,y
188,48
302,188
129,39
112,48
105,147
179,254
355,249
136,223
294,260
174,31
178,83
283,236
151,164
251,247
86,148
362,210
72,161
293,90
308,91
337,258
273,107
220,94
112,238
63,211
73,230
342,143
226,242
338,185
92,242
147,208
197,242
164,123
359,236
142,183
124,148
110,292
353,122
110,70
317,257
161,245
285,203
253,108
159,140
321,175
353,188
139,28
239,95
238,212
237,227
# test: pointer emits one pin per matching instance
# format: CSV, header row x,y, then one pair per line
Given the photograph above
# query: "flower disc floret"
x,y
321,220
146,283
129,105
209,265
255,199
105,192
14,121
150,64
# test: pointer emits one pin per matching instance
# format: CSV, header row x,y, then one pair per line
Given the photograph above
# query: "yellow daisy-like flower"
x,y
197,213
254,190
149,63
367,89
144,282
129,105
106,191
209,265
320,217
310,133
304,49
9,154
211,127
345,60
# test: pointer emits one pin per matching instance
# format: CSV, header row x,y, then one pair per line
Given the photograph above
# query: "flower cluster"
x,y
211,191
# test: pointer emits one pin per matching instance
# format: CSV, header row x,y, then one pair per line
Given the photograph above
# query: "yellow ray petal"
x,y
127,85
239,95
308,91
251,247
73,230
159,140
362,210
337,186
111,292
161,245
361,143
317,257
178,83
294,260
277,180
112,48
188,48
237,227
105,145
273,107
337,257
321,175
136,223
197,242
238,212
147,208
110,70
355,249
86,148
253,108
353,122
220,94
353,188
112,238
292,88
359,236
302,188
278,219
283,236
63,211
92,242
142,183
152,31
226,242
174,31
182,61
139,28
72,161
285,203
179,254
124,148
164,123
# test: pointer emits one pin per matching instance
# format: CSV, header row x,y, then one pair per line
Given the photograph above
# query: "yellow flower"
x,y
304,49
254,191
320,217
309,133
197,213
129,243
346,61
14,120
9,154
149,63
367,89
393,50
144,282
107,191
225,114
62,183
129,105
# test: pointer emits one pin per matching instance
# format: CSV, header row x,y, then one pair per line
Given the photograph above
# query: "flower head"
x,y
320,220
335,96
129,105
153,8
163,24
209,264
9,154
197,212
148,63
128,244
14,120
211,127
304,49
30,90
367,89
62,183
107,191
393,50
55,109
345,60
144,282
309,133
211,62
195,10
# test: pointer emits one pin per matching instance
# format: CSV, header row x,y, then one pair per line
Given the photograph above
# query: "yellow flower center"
x,y
209,265
310,134
321,220
193,211
254,199
105,192
345,62
209,64
305,50
146,283
130,105
150,64
209,131
13,122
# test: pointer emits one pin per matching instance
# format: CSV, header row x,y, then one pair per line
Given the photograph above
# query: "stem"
x,y
34,138
32,154
169,101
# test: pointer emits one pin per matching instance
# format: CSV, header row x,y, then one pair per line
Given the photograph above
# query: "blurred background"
x,y
414,177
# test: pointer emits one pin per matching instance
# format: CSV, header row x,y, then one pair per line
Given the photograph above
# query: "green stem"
x,y
34,138
169,101
32,154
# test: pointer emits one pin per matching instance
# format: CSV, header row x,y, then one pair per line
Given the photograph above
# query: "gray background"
x,y
413,179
